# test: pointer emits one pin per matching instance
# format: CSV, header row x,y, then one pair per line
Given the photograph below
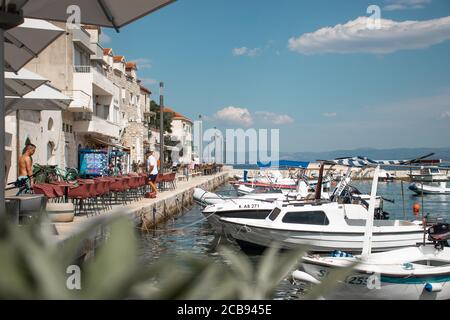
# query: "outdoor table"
x,y
66,186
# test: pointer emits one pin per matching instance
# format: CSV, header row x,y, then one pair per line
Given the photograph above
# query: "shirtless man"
x,y
26,165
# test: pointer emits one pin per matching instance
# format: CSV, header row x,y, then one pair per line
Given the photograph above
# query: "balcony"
x,y
81,101
88,123
98,52
101,81
83,38
85,77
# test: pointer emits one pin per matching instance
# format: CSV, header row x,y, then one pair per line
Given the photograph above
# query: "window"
x,y
274,214
50,124
307,217
63,127
70,128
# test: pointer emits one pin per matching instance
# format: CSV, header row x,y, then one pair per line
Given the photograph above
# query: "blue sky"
x,y
232,62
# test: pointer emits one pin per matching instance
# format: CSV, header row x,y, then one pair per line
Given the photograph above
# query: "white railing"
x,y
80,99
82,69
101,80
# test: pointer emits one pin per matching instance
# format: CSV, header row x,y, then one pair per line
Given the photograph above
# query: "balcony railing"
x,y
82,69
80,100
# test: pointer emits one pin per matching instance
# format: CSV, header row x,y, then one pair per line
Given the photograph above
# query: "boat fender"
x,y
416,209
304,277
338,253
433,287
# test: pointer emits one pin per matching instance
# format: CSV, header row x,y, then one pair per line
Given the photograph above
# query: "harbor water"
x,y
190,232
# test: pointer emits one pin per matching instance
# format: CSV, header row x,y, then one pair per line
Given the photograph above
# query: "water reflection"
x,y
190,232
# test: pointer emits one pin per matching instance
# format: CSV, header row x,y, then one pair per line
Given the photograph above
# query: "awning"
x,y
43,98
284,164
107,143
22,82
24,42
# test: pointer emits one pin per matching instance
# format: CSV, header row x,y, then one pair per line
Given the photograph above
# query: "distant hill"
x,y
375,154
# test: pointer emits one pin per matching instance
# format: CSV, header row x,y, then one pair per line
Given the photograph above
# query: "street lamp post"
x,y
161,126
200,140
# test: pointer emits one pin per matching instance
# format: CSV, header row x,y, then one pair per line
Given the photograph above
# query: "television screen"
x,y
93,162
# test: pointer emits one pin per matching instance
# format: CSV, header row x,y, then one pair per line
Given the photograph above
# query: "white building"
x,y
182,129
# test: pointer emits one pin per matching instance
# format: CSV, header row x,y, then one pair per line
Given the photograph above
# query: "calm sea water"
x,y
189,232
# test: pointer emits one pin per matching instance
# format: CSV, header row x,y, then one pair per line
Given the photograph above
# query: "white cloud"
x,y
356,37
275,118
235,115
104,38
143,63
239,51
392,5
330,114
244,51
445,114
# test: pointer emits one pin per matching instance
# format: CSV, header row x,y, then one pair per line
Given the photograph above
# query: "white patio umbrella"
x,y
26,41
107,13
20,83
43,98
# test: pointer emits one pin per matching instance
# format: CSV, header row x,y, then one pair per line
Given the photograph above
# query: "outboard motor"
x,y
439,234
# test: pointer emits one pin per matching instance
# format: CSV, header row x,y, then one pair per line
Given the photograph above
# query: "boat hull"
x,y
318,241
425,189
369,286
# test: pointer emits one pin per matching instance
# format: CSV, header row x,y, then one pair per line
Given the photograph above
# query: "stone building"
x,y
131,109
106,112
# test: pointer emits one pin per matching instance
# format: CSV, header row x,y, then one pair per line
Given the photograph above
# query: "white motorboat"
x,y
415,273
429,174
205,198
322,227
259,205
430,188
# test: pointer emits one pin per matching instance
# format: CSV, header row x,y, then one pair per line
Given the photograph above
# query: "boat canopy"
x,y
284,164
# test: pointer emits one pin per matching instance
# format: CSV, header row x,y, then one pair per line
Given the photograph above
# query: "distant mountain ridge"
x,y
375,154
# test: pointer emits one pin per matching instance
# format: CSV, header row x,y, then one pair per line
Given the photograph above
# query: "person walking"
x,y
152,169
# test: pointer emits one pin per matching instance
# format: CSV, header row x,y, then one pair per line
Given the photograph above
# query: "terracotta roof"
x,y
119,58
107,51
131,65
144,89
176,115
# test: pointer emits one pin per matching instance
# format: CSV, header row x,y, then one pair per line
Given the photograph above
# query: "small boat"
x,y
415,273
430,180
322,227
430,188
429,174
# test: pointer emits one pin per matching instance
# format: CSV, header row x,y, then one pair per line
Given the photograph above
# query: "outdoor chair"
x,y
79,196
